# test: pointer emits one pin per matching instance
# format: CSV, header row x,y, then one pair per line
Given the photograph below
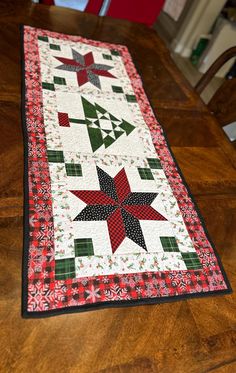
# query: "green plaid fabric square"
x,y
154,163
55,156
49,86
131,98
106,56
191,260
83,247
64,268
73,169
145,173
117,89
55,47
169,244
114,52
59,80
43,38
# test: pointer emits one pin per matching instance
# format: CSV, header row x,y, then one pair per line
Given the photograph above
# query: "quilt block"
x,y
108,218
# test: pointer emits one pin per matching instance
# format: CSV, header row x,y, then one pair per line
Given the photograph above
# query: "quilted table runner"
x,y
108,218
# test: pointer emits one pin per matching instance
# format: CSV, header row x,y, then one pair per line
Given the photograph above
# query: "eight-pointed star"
x,y
85,68
121,208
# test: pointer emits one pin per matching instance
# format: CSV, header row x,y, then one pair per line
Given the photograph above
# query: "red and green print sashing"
x,y
108,218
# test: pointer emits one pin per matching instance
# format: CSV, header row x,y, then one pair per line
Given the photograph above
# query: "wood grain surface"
x,y
193,336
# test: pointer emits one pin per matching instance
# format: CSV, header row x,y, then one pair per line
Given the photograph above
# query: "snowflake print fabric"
x,y
108,218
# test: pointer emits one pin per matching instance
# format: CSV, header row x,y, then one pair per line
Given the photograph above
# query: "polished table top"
x,y
197,335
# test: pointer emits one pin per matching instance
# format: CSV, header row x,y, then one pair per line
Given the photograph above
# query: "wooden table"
x,y
197,335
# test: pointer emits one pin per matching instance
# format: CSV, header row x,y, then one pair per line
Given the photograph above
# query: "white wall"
x,y
200,20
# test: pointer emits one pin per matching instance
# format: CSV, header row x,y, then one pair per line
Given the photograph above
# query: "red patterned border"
x,y
44,293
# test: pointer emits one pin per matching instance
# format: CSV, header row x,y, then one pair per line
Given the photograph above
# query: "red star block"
x,y
121,208
85,68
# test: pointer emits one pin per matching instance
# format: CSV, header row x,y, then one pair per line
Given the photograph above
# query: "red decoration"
x,y
94,6
136,10
133,10
63,119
